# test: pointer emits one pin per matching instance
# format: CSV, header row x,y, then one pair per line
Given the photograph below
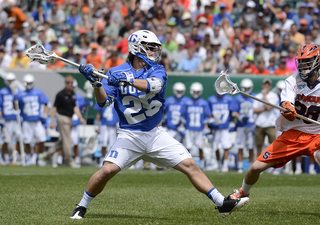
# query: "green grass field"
x,y
34,195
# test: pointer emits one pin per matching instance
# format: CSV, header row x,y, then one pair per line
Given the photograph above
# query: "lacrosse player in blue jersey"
x,y
140,106
30,103
221,117
107,119
173,108
242,109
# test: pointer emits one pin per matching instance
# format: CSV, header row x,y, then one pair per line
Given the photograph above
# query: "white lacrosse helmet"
x,y
10,76
146,43
28,80
179,89
196,90
246,85
75,83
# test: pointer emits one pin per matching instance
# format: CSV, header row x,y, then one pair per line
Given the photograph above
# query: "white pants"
x,y
155,146
108,135
33,131
13,130
193,138
75,132
244,139
175,134
221,138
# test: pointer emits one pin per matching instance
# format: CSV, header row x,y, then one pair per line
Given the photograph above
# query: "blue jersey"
x,y
221,107
30,102
196,114
109,116
244,106
173,109
138,110
80,102
6,101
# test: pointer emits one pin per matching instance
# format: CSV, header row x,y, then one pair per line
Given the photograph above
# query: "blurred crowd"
x,y
242,36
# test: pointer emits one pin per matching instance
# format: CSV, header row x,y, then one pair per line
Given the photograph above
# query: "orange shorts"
x,y
289,145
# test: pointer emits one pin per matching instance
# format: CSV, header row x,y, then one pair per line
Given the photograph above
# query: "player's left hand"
x,y
120,79
87,71
206,131
43,119
82,120
290,113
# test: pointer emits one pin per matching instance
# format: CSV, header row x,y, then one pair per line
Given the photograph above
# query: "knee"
x,y
317,157
256,168
191,165
105,172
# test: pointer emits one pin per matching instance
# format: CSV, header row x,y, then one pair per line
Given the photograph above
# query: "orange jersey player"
x,y
299,137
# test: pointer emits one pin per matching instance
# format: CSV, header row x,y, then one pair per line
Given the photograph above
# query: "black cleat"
x,y
78,213
230,205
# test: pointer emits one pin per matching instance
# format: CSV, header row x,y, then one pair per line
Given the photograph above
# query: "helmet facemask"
x,y
308,67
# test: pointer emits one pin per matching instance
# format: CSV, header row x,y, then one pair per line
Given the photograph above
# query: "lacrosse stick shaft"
x,y
278,107
22,152
77,65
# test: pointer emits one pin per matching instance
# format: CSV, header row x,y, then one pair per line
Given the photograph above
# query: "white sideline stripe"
x,y
32,174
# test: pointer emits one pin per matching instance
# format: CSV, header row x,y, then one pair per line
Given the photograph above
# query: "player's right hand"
x,y
290,113
244,119
87,71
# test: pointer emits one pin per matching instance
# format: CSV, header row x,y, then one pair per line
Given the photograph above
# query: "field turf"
x,y
34,195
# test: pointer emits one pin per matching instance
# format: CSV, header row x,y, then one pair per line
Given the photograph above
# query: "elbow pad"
x,y
109,100
154,85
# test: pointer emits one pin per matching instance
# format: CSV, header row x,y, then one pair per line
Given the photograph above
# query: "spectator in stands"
x,y
283,70
203,27
225,65
125,27
47,5
260,53
219,34
187,23
54,43
209,65
115,15
287,10
57,64
304,27
267,46
194,34
49,30
249,16
65,36
261,70
248,66
191,63
159,19
85,20
315,36
69,54
217,20
239,53
110,29
272,65
284,46
17,39
285,24
227,28
296,37
16,13
165,61
176,13
258,23
248,45
160,32
94,58
139,16
37,17
173,28
20,60
6,32
77,58
113,61
291,60
73,17
310,8
170,45
301,15
217,51
177,55
5,59
189,42
157,4
56,17
198,10
26,33
315,20
308,39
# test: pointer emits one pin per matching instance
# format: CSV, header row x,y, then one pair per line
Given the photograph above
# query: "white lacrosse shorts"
x,y
244,138
31,130
155,146
13,130
75,133
175,134
108,135
193,138
221,139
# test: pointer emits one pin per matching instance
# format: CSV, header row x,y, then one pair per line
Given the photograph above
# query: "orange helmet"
x,y
308,61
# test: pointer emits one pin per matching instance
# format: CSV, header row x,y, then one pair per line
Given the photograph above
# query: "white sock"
x,y
246,187
59,159
34,157
28,156
298,165
240,165
225,163
202,164
77,160
7,158
216,196
86,199
311,167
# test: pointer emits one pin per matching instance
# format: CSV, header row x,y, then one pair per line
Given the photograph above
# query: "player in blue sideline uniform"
x,y
221,117
173,108
10,117
140,107
195,120
242,109
30,103
107,120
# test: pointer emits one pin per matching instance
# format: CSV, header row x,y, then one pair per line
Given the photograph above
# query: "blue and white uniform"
x,y
195,114
140,113
75,130
173,110
9,114
30,102
245,124
108,124
220,107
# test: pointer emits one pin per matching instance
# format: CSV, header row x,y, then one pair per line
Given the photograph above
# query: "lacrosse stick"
x,y
43,56
224,85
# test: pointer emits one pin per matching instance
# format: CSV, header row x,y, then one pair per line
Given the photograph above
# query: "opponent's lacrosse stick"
x,y
43,56
224,85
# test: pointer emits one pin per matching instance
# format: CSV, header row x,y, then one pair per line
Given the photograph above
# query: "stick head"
x,y
224,85
39,53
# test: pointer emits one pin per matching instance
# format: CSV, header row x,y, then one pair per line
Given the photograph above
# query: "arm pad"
x,y
154,85
109,100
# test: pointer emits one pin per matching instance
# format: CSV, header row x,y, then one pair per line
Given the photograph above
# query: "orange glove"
x,y
290,113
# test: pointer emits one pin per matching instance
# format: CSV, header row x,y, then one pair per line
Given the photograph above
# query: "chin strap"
x,y
145,59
